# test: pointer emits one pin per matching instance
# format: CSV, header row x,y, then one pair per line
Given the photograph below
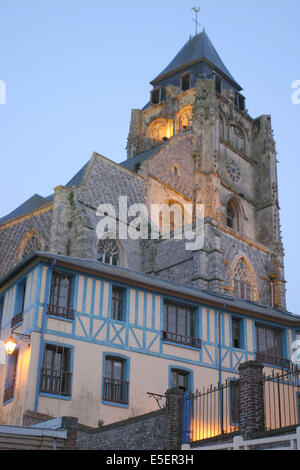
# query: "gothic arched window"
x,y
160,129
185,119
232,215
171,217
30,244
237,139
242,285
108,251
221,127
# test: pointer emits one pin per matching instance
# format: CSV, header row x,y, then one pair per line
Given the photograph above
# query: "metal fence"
x,y
215,411
212,412
282,399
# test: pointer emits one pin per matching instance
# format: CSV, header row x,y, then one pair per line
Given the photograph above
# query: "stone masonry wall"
x,y
141,433
12,235
178,152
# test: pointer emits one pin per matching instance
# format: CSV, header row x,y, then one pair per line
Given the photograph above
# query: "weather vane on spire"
x,y
196,10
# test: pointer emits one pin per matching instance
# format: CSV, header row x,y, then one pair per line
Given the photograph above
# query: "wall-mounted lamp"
x,y
11,343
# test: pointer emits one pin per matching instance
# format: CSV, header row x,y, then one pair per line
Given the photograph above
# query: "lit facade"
x,y
94,356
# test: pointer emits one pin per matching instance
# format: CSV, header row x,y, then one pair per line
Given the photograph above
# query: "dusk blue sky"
x,y
74,70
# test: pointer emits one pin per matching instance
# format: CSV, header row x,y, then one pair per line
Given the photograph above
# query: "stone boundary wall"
x,y
144,432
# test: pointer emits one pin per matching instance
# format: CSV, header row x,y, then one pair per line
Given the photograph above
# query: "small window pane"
x,y
186,82
117,304
179,380
155,96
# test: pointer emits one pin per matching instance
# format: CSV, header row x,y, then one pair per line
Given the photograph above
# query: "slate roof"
x,y
154,282
35,202
140,158
77,179
197,48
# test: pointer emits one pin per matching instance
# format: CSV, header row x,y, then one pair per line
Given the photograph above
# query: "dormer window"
x,y
218,84
186,82
239,101
157,95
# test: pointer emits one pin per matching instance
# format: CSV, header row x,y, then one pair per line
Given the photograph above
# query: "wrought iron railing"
x,y
55,382
213,412
116,391
181,339
61,312
16,320
273,360
282,399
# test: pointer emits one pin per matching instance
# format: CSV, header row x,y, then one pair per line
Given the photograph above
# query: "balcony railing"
x,y
273,360
61,312
116,391
55,382
181,339
16,320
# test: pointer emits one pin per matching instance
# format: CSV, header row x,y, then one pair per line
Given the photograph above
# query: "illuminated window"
x,y
185,119
160,130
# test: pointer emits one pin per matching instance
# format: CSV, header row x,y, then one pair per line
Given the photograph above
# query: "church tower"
x,y
196,135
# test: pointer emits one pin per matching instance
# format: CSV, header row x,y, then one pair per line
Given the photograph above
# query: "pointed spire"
x,y
198,48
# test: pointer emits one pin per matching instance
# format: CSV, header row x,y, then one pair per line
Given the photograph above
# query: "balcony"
x,y
61,312
181,339
16,320
55,382
273,360
116,391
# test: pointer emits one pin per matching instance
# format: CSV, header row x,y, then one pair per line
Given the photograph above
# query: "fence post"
x,y
71,425
173,419
252,403
298,438
238,442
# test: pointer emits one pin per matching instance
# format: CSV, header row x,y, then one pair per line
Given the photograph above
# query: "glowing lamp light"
x,y
10,345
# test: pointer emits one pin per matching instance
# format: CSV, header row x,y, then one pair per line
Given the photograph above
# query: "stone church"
x,y
193,142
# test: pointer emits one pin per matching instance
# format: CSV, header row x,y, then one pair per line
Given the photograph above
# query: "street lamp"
x,y
11,344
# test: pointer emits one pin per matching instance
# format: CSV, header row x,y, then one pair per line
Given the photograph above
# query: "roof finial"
x,y
196,10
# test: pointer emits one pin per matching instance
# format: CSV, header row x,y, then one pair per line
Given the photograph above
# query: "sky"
x,y
74,69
